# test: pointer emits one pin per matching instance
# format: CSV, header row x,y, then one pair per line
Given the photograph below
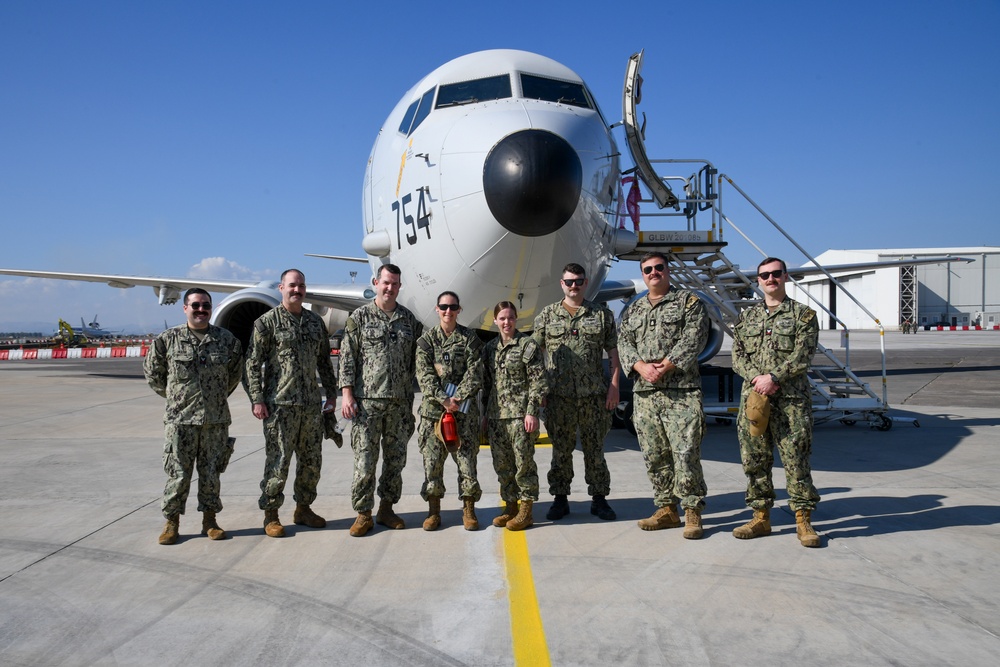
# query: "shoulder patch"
x,y
424,344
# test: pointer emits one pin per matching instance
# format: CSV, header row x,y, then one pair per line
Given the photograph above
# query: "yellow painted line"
x,y
543,441
527,632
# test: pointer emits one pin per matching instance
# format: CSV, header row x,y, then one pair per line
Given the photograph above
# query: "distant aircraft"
x,y
94,330
492,173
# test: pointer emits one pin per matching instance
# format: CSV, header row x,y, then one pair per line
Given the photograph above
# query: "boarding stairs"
x,y
695,248
697,261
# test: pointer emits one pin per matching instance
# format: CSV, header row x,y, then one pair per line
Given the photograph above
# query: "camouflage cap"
x,y
757,410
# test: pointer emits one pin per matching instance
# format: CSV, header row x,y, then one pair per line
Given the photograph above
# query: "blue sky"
x,y
227,139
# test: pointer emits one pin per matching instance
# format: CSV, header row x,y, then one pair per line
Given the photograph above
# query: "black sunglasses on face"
x,y
777,273
653,267
448,306
200,305
570,282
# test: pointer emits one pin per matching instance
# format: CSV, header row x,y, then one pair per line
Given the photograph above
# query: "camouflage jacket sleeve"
x,y
538,385
741,355
610,330
472,380
350,346
261,345
324,363
431,385
155,366
234,369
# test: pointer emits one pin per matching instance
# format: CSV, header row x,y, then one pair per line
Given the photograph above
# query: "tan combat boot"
x,y
433,520
304,516
692,524
386,517
469,519
171,530
804,529
523,519
362,524
509,512
272,525
210,527
758,526
665,517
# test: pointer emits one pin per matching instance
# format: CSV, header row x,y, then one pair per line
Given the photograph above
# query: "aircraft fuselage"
x,y
491,174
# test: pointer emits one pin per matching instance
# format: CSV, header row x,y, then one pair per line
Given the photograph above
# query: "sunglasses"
x,y
200,305
570,282
448,306
653,267
777,273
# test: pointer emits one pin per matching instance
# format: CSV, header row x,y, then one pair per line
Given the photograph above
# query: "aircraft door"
x,y
634,134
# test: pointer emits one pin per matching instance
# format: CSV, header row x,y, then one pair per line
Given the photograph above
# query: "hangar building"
x,y
956,294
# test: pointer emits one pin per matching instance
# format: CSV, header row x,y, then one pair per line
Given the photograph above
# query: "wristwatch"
x,y
773,378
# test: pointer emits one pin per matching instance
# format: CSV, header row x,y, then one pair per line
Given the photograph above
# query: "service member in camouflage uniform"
x,y
195,366
659,338
515,385
449,354
290,345
773,345
574,334
376,374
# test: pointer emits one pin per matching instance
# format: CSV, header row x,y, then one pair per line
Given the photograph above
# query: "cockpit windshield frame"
x,y
476,90
416,113
547,89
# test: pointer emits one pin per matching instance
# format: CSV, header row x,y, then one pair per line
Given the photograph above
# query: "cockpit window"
x,y
470,92
416,113
549,90
404,127
424,109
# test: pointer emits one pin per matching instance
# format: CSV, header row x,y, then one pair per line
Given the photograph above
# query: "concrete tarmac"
x,y
907,574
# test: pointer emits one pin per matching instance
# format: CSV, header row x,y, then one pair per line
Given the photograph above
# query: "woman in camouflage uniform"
x,y
449,354
515,383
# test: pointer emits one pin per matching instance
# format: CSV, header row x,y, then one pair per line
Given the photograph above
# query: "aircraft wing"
x,y
168,290
841,269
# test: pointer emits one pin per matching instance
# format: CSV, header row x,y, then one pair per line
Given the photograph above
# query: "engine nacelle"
x,y
240,310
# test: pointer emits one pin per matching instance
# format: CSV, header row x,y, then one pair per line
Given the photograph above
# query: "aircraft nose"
x,y
532,180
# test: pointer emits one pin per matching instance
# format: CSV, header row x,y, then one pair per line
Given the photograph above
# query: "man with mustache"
x,y
773,345
289,346
195,366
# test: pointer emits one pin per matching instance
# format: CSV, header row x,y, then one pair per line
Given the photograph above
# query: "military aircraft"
x,y
490,174
94,330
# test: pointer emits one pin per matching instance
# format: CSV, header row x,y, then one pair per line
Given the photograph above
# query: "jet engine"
x,y
240,310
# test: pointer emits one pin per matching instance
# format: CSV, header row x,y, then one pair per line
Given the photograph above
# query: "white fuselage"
x,y
490,198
